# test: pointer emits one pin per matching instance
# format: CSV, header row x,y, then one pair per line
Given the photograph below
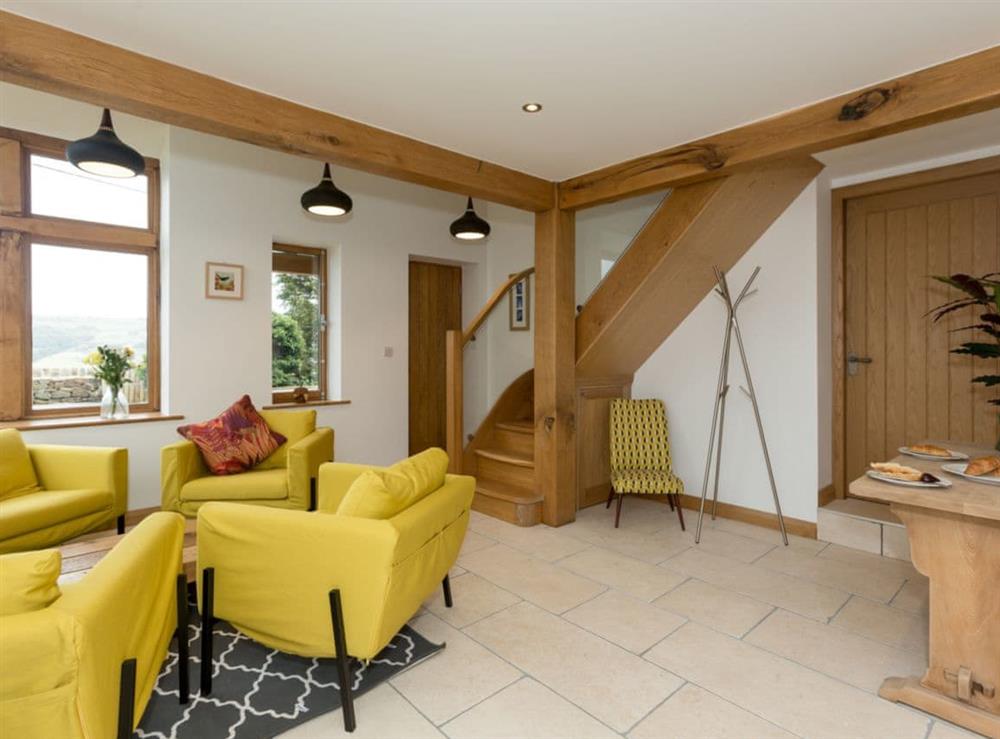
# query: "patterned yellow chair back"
x,y
639,435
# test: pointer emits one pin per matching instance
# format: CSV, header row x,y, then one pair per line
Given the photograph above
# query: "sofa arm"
x,y
304,459
76,467
38,654
334,480
125,607
180,463
274,570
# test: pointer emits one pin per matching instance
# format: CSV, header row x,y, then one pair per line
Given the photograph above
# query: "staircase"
x,y
501,456
505,474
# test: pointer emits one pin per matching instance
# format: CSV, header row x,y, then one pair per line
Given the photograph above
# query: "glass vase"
x,y
114,404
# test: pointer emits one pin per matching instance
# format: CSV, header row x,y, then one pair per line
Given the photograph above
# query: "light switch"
x,y
387,352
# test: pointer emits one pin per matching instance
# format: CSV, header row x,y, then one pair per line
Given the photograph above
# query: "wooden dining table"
x,y
954,536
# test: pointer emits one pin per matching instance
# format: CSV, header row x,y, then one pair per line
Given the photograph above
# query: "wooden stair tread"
x,y
520,427
504,491
506,457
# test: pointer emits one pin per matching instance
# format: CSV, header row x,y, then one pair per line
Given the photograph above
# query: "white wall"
x,y
227,201
779,329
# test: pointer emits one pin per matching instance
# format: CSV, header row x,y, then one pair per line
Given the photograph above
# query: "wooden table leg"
x,y
961,557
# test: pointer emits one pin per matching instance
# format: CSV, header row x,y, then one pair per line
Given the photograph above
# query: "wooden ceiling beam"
x,y
54,60
953,89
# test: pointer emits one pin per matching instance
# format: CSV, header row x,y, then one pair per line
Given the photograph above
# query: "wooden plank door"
x,y
906,386
435,307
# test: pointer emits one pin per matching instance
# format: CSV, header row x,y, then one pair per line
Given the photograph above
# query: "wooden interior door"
x,y
435,307
593,438
905,385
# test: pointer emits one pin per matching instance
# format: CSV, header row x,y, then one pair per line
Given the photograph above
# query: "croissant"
x,y
983,466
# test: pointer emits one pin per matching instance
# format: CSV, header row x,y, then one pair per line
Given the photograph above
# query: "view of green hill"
x,y
64,341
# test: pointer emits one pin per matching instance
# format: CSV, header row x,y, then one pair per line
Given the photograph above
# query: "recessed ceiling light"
x,y
532,107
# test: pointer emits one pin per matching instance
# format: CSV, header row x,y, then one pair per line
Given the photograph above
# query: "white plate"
x,y
908,483
952,457
959,469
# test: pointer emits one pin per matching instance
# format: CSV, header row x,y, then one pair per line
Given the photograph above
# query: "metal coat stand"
x,y
719,414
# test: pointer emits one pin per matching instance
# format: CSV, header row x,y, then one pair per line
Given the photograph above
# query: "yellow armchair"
x,y
85,666
286,479
258,570
50,493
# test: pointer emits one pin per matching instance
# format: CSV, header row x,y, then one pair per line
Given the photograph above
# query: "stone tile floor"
x,y
588,631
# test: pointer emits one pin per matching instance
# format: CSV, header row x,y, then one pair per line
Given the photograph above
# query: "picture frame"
x,y
223,281
519,305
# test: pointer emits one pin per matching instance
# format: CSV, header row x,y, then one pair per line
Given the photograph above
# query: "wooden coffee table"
x,y
79,557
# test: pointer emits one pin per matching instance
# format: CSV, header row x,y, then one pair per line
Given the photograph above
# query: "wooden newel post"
x,y
453,400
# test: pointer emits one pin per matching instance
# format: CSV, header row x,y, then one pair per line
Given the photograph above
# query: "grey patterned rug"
x,y
258,692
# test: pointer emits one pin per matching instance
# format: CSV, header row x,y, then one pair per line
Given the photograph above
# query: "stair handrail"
x,y
455,341
470,332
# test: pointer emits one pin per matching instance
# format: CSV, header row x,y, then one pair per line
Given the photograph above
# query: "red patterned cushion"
x,y
235,440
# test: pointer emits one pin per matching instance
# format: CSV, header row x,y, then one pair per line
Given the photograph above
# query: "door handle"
x,y
853,360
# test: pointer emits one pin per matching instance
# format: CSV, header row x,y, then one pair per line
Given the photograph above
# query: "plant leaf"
x,y
978,349
984,327
967,284
945,310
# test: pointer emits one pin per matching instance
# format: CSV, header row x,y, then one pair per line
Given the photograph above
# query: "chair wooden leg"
x,y
126,699
446,585
120,524
611,496
618,509
183,658
207,618
670,500
343,661
312,494
680,513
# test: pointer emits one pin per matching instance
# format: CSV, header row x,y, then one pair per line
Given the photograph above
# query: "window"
x,y
298,323
60,189
82,255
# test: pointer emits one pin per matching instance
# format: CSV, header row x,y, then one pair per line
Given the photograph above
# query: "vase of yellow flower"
x,y
111,365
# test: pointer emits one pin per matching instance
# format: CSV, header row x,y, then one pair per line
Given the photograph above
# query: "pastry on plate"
x,y
931,450
984,466
897,471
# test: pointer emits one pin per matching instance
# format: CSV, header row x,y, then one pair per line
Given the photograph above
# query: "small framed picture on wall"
x,y
224,281
520,305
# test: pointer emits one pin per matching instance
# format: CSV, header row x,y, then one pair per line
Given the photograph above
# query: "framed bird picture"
x,y
223,281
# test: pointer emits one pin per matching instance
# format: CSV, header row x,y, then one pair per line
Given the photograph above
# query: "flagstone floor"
x,y
588,631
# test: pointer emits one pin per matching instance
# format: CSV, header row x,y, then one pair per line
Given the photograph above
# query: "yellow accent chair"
x,y
82,664
640,454
381,541
286,479
50,493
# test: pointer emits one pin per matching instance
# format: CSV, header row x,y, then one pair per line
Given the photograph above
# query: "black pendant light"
x,y
470,227
105,154
326,199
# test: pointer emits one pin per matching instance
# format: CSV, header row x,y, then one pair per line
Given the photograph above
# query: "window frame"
x,y
16,149
321,394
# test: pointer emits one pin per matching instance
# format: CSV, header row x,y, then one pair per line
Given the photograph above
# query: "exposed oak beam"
x,y
967,85
50,59
555,357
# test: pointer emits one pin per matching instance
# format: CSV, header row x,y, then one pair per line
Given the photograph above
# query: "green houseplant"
x,y
111,365
983,294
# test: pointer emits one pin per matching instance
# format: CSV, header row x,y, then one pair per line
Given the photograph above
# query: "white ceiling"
x,y
617,79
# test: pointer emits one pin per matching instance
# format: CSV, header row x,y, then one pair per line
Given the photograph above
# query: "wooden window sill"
x,y
69,422
278,406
